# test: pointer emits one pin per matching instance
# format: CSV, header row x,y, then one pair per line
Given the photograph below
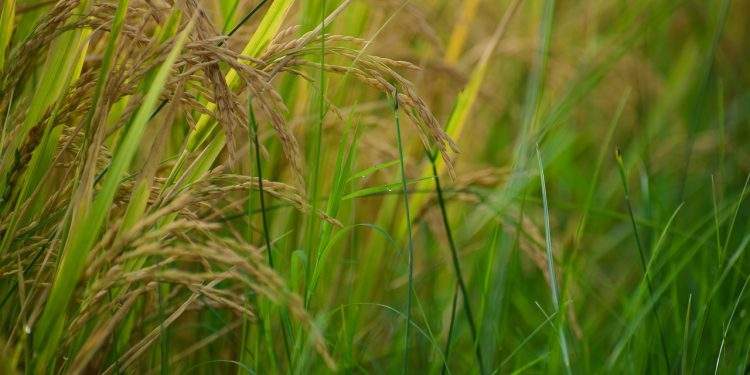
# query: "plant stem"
x,y
409,232
456,264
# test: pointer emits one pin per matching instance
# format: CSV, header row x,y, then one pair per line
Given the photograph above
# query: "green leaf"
x,y
6,28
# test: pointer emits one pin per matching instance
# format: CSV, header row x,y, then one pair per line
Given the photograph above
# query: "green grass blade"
x,y
410,242
551,267
642,257
457,268
728,325
7,15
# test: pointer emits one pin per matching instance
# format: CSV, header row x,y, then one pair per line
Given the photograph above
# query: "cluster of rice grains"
x,y
160,252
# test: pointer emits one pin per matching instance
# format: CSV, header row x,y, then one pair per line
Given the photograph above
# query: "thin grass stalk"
x,y
685,336
259,169
457,264
729,324
551,267
451,323
244,19
264,218
642,256
704,314
7,14
317,150
344,161
410,243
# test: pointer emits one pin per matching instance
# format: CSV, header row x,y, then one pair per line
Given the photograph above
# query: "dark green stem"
x,y
642,256
456,264
408,228
266,231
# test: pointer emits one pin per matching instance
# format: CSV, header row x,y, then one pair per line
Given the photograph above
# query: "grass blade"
x,y
457,268
7,14
410,242
642,257
551,266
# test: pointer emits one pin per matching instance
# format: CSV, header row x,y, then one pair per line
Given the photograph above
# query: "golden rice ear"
x,y
220,186
174,236
378,73
35,45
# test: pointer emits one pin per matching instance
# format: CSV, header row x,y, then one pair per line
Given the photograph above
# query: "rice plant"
x,y
374,186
